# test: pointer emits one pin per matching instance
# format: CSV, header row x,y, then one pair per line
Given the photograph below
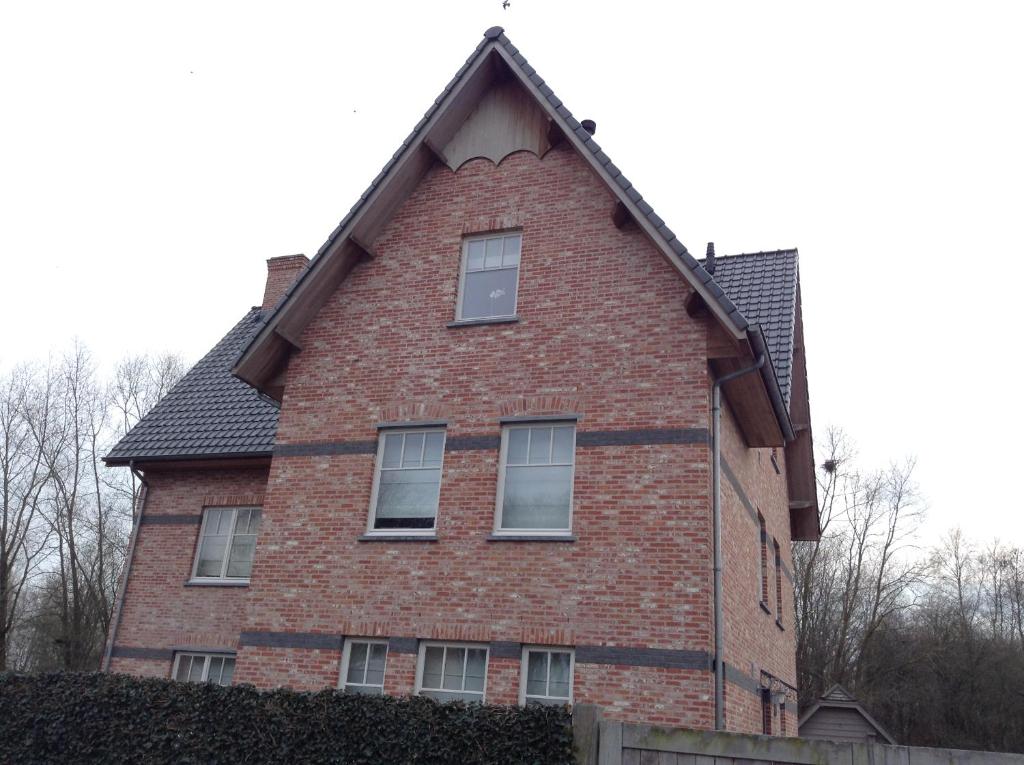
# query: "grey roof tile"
x,y
210,411
762,285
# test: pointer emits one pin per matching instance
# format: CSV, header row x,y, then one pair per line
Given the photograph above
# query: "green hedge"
x,y
72,718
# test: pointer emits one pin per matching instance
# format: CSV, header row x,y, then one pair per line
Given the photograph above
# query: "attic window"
x,y
490,277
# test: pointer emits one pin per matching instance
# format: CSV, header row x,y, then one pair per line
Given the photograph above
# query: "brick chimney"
x,y
281,272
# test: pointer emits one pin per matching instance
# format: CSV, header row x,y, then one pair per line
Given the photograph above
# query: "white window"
x,y
227,541
362,666
547,676
407,481
490,276
214,668
535,479
452,671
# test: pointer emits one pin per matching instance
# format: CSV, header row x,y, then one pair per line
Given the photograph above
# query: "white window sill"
x,y
217,583
511,537
407,537
486,320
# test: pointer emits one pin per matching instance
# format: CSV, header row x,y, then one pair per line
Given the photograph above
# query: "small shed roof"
x,y
838,700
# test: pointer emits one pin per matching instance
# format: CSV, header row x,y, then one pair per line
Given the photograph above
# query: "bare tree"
x,y
26,404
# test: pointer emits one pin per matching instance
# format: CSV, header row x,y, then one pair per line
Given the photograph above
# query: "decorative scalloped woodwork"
x,y
506,120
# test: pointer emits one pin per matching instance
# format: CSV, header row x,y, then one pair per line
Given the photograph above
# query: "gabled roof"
x,y
763,286
837,697
209,413
212,413
264,356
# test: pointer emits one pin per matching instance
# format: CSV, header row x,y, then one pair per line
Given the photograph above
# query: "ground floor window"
x,y
546,676
215,668
362,666
452,671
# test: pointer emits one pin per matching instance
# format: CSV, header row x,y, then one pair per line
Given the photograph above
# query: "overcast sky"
x,y
152,156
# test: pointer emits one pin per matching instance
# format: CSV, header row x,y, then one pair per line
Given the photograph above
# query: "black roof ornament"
x,y
709,263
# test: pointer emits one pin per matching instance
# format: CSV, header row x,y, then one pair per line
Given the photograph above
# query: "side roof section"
x,y
210,413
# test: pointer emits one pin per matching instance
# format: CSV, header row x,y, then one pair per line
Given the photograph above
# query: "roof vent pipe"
x,y
589,125
709,262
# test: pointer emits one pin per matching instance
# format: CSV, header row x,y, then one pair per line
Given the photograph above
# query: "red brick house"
x,y
471,449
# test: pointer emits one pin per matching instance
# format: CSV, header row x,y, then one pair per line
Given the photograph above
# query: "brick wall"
x,y
160,612
603,334
754,641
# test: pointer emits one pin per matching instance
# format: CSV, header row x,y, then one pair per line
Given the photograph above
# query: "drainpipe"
x,y
716,514
123,590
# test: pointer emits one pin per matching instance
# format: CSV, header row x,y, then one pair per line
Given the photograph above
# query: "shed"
x,y
838,716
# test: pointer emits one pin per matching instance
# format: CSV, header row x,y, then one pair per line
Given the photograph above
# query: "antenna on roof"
x,y
709,262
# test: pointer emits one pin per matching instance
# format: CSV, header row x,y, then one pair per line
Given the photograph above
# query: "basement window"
x,y
546,676
490,277
203,668
227,542
407,482
452,671
362,666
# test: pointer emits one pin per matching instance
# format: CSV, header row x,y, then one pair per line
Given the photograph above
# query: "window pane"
x,y
407,498
218,521
559,678
216,667
432,662
375,664
512,245
476,667
254,520
490,293
493,259
184,662
476,255
195,673
562,451
228,673
453,666
540,446
211,555
413,456
243,546
392,450
356,663
537,674
536,497
518,441
434,451
452,695
366,690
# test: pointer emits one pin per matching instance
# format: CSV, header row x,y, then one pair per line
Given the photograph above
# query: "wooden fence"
x,y
600,741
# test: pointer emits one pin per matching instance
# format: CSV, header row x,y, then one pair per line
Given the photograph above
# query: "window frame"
x,y
762,554
208,657
506,429
464,270
778,581
421,656
524,668
378,466
223,577
346,655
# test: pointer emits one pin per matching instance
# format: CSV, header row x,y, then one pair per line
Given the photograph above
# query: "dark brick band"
x,y
504,649
402,645
325,449
643,657
291,640
741,679
644,437
134,652
585,439
171,520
